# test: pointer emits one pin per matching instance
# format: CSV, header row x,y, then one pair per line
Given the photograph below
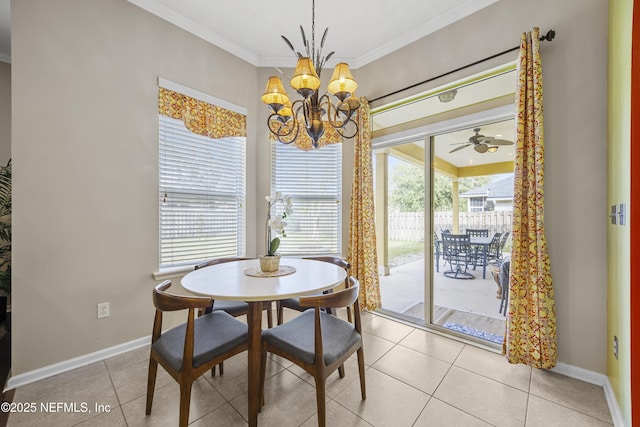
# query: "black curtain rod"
x,y
551,34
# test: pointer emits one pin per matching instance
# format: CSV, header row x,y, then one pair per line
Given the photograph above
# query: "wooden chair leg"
x,y
263,374
341,371
220,369
151,383
363,389
270,316
185,400
279,311
321,402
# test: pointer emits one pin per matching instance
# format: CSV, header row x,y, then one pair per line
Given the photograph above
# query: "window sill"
x,y
171,273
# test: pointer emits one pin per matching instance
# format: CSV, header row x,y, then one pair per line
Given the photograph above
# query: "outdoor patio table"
x,y
482,242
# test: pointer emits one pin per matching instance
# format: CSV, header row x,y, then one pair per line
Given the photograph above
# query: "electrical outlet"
x,y
615,346
103,310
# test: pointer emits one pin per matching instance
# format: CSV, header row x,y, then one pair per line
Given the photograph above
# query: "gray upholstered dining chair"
x,y
189,350
294,303
319,342
234,308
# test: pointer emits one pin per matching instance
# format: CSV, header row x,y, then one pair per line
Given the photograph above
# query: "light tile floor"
x,y
414,378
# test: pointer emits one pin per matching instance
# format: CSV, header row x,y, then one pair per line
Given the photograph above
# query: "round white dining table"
x,y
228,281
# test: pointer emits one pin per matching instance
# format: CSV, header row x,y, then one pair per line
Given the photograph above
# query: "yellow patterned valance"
x,y
201,117
303,141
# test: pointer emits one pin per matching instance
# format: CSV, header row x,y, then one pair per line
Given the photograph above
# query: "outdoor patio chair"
x,y
493,252
484,232
505,267
494,248
503,243
437,250
458,253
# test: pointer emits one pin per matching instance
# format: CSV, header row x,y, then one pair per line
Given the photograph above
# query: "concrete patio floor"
x,y
402,291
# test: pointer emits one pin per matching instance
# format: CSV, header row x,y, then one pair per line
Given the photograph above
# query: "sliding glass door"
x,y
444,166
471,217
400,210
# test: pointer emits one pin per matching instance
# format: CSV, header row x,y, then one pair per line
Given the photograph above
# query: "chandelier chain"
x,y
313,31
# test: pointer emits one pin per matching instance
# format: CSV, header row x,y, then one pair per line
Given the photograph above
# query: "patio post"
x,y
456,205
382,210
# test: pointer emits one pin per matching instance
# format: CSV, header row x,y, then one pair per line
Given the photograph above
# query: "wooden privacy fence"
x,y
409,226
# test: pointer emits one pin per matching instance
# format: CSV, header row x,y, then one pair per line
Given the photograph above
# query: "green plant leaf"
x,y
273,247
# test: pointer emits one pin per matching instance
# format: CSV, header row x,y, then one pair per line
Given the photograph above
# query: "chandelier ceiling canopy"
x,y
313,111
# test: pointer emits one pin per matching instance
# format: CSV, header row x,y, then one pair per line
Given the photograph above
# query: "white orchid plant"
x,y
276,224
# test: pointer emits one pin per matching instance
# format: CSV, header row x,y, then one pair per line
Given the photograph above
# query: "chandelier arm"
x,y
332,114
306,111
341,131
275,126
292,139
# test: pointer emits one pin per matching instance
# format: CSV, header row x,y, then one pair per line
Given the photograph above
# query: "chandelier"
x,y
313,111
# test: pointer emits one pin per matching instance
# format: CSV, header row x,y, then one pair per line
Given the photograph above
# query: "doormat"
x,y
487,336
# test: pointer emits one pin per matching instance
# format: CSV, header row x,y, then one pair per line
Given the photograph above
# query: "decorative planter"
x,y
269,263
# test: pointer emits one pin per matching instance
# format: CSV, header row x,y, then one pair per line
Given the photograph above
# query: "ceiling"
x,y
470,157
473,91
359,31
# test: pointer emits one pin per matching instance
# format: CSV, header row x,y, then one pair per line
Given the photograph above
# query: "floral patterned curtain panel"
x,y
201,117
531,320
362,233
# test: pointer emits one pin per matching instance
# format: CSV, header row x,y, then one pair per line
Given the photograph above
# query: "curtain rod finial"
x,y
551,34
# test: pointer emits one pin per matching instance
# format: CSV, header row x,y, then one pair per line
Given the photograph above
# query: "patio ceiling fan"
x,y
481,143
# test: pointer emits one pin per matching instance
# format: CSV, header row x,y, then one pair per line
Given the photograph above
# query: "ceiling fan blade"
x,y
459,148
501,142
494,141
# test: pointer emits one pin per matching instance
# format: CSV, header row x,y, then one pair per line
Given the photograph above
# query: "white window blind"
x,y
202,195
313,179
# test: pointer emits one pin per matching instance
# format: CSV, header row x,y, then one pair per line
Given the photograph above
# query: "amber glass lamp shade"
x,y
285,113
275,96
305,80
342,83
349,105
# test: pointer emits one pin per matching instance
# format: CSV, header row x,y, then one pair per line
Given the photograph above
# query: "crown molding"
x,y
196,29
431,26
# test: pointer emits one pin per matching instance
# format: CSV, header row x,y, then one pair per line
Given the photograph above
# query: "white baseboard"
x,y
597,379
67,365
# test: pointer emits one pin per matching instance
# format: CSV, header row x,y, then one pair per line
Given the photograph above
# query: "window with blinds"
x,y
202,195
313,179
